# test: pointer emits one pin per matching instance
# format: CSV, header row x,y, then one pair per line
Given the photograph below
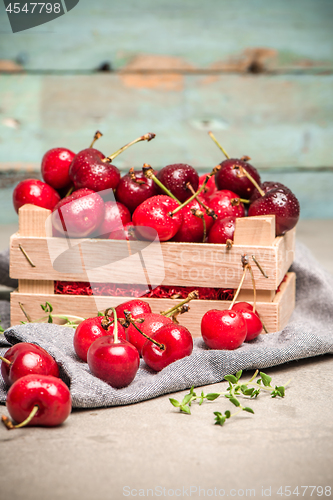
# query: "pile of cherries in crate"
x,y
177,203
180,206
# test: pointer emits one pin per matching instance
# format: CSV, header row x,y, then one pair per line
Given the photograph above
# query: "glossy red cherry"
x,y
177,344
223,329
154,213
175,178
114,362
88,331
116,216
279,202
79,214
150,325
210,187
267,186
87,170
25,359
226,203
192,228
126,232
55,167
49,394
222,230
230,177
35,192
253,322
135,306
134,188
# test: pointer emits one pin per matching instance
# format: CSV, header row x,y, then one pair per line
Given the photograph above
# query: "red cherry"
x,y
87,170
230,177
133,191
154,213
223,206
222,230
223,329
253,322
210,187
49,393
88,331
115,363
25,359
55,167
35,192
136,307
267,186
151,324
192,229
177,342
126,232
280,202
79,214
175,177
116,216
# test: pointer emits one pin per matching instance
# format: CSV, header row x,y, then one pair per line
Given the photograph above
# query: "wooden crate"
x,y
185,264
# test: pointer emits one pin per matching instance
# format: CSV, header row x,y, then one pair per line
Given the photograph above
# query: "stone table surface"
x,y
151,450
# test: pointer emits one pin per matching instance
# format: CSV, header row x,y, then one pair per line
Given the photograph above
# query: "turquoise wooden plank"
x,y
193,32
281,121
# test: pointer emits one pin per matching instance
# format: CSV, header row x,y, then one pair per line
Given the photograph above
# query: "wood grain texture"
x,y
274,314
32,220
295,35
280,122
185,264
258,231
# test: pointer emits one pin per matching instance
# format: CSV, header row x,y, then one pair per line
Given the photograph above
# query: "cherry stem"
x,y
69,192
239,287
218,144
97,135
191,296
147,137
5,360
9,424
115,326
129,318
149,173
254,288
201,188
200,215
134,178
209,211
249,176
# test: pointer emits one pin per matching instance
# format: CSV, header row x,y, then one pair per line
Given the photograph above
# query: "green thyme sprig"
x,y
69,320
235,391
1,329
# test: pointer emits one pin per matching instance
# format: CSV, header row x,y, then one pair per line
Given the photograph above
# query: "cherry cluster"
x,y
175,202
37,396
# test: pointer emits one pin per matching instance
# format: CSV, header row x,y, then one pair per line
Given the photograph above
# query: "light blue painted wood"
x,y
199,32
280,121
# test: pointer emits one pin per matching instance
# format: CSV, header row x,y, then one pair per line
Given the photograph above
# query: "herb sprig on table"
x,y
236,392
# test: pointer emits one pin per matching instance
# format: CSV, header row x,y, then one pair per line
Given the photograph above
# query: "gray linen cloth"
x,y
309,333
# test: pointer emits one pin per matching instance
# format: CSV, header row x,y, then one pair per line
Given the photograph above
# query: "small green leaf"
x,y
255,393
186,399
239,374
231,378
246,408
219,418
100,314
266,379
212,396
192,391
185,409
234,401
50,320
281,390
174,402
227,414
248,391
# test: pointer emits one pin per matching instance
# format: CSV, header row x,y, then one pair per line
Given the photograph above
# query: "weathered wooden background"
x,y
257,73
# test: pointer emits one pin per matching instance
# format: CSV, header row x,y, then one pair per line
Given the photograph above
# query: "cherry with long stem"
x,y
129,319
147,137
209,211
149,173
